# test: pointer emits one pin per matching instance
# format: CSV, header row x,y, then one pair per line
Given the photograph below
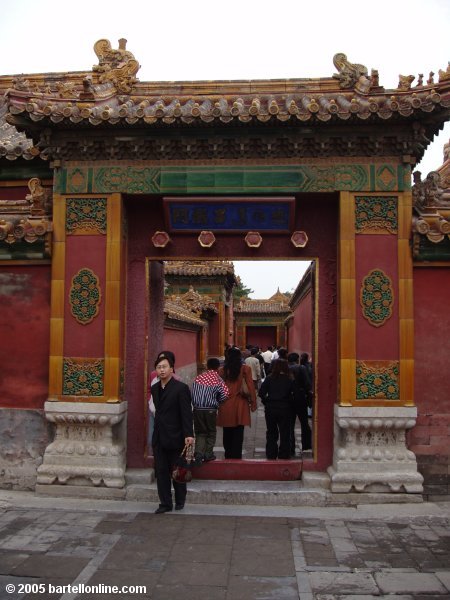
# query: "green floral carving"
x,y
83,376
133,180
86,214
376,213
377,297
85,296
377,382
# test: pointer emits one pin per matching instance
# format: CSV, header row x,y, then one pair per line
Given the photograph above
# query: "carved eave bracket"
x,y
28,220
118,67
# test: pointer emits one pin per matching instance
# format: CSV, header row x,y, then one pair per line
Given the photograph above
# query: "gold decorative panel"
x,y
376,214
83,376
86,216
377,380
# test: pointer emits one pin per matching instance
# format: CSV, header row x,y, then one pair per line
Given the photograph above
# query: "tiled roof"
x,y
12,143
178,312
262,306
226,102
111,93
188,268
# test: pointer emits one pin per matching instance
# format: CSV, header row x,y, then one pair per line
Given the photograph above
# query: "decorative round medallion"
x,y
160,239
377,297
206,239
253,239
85,296
299,239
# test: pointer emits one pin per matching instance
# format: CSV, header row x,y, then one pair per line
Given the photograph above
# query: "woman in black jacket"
x,y
276,394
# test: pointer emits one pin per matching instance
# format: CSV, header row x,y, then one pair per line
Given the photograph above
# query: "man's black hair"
x,y
213,363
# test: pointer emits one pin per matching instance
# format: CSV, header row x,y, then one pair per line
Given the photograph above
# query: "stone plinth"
x,y
89,447
370,453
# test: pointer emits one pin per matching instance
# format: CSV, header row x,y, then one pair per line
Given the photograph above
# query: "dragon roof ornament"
x,y
195,302
351,75
118,67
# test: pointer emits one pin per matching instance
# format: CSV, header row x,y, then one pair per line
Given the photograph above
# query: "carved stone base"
x,y
370,453
89,446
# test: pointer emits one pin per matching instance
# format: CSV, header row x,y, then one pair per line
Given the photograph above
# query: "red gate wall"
x,y
24,329
261,336
317,214
430,438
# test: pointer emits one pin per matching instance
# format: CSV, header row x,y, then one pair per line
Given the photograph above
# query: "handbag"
x,y
244,391
181,472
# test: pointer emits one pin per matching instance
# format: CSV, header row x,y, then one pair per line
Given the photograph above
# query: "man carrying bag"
x,y
173,430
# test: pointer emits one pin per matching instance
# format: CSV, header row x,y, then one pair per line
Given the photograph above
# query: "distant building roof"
x,y
194,268
278,303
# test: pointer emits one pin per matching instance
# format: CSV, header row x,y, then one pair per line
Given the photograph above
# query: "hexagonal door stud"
x,y
206,239
299,239
160,239
253,239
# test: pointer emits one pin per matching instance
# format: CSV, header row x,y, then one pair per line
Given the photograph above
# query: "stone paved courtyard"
x,y
224,553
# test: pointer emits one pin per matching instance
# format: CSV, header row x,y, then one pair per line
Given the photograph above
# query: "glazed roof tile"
x,y
262,306
175,310
12,143
107,95
197,268
110,94
226,102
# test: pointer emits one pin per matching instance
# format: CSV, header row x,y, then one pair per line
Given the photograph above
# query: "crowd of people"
x,y
224,396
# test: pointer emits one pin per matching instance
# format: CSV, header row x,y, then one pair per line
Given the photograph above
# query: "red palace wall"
x,y
184,344
300,330
261,336
430,439
24,330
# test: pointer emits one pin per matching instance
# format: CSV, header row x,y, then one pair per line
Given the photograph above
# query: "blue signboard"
x,y
229,214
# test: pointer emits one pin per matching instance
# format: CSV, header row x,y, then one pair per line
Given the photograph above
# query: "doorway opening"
x,y
205,306
147,314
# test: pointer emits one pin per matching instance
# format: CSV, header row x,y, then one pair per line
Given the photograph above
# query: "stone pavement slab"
x,y
225,553
414,583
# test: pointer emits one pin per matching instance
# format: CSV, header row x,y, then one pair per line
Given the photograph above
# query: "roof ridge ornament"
x,y
350,74
444,75
116,66
428,195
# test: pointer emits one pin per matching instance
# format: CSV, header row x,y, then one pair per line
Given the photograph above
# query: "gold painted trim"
x,y
57,322
406,299
347,300
113,309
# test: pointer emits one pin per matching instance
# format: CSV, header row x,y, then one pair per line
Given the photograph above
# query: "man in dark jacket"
x,y
172,431
302,388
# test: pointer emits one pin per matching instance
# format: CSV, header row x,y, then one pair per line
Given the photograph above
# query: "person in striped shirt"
x,y
208,391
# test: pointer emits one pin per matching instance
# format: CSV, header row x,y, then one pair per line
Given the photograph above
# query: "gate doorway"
x,y
208,304
145,305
